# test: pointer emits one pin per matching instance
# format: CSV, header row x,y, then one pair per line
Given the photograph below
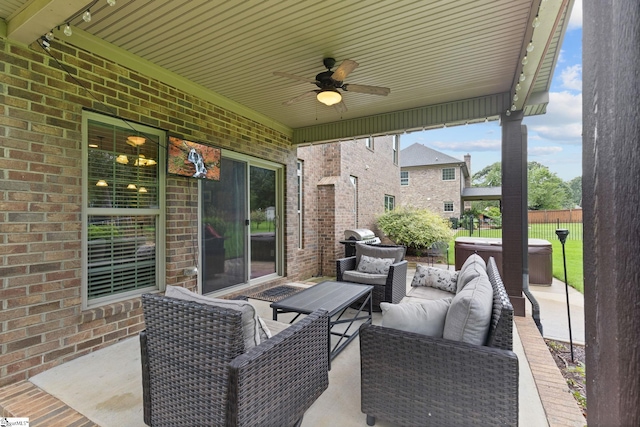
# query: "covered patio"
x,y
205,70
68,394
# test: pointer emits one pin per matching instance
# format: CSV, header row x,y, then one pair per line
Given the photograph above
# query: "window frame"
x,y
300,207
389,202
158,211
368,142
444,170
444,207
396,149
404,181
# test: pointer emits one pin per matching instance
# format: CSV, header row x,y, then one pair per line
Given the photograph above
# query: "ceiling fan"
x,y
329,82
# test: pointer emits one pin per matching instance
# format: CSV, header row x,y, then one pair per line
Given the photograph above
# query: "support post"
x,y
514,208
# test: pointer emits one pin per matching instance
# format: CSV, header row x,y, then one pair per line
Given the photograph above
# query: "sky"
x,y
554,138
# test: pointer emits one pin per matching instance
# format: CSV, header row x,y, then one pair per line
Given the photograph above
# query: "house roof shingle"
x,y
421,155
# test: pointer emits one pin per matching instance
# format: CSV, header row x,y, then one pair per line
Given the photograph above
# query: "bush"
x,y
103,231
415,228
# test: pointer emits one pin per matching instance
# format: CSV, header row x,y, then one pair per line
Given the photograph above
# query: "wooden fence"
x,y
563,216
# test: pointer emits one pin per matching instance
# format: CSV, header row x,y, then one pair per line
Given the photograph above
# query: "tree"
x,y
546,190
575,185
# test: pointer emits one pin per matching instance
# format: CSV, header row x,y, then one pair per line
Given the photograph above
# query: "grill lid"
x,y
359,234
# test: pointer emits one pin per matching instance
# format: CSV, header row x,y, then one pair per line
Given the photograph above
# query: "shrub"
x,y
414,228
103,231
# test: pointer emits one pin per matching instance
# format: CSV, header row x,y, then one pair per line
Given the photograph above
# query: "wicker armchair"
x,y
413,379
389,288
195,370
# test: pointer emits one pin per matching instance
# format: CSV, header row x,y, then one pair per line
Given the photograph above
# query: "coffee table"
x,y
336,298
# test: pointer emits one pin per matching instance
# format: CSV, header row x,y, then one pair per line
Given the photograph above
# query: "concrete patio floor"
x,y
105,386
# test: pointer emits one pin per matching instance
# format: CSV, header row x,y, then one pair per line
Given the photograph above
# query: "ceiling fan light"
x,y
135,141
329,97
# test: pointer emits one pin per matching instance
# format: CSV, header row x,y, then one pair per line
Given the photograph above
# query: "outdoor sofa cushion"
x,y
421,293
395,252
473,267
253,328
426,318
469,316
365,278
435,278
374,265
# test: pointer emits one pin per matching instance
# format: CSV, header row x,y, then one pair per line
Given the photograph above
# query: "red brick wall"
x,y
333,197
42,321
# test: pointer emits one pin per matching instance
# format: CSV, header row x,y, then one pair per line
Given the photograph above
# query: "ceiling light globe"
x,y
111,2
329,97
67,30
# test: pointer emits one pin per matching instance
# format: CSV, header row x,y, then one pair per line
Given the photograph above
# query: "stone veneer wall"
x,y
42,322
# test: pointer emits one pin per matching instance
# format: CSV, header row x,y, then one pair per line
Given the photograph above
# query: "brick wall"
x,y
328,168
42,322
427,190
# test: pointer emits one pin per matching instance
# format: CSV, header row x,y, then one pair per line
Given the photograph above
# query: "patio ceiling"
x,y
445,61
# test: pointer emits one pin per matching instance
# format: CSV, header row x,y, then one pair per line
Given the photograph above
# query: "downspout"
x,y
535,307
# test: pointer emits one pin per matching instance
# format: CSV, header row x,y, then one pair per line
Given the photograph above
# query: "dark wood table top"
x,y
331,296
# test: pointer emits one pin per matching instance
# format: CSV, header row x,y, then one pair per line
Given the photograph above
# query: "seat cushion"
x,y
426,292
469,316
395,252
254,331
374,265
473,267
426,318
435,278
365,278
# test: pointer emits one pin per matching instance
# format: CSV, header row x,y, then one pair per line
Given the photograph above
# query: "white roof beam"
x,y
39,17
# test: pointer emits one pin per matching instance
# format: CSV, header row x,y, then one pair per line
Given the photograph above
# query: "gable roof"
x,y
420,155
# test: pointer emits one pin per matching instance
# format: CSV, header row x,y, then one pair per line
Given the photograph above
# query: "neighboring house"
x,y
345,185
433,180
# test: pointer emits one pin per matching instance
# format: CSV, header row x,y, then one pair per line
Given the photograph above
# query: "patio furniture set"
x,y
442,356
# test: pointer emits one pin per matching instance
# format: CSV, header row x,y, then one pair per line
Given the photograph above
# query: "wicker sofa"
x,y
389,286
197,370
413,379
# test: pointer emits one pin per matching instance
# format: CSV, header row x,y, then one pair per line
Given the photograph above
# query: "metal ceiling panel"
x,y
428,52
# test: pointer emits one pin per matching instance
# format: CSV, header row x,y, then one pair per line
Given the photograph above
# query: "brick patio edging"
x,y
559,405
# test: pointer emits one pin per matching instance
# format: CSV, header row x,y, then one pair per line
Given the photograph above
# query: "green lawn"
x,y
573,249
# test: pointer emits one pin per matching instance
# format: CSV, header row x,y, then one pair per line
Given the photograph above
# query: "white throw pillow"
x,y
253,328
469,316
426,318
435,278
374,265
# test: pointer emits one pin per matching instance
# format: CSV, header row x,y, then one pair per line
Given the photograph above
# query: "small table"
x,y
336,298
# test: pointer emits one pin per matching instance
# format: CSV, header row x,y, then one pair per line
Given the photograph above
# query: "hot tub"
x,y
540,255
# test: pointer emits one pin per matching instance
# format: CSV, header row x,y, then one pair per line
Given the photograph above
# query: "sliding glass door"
x,y
240,237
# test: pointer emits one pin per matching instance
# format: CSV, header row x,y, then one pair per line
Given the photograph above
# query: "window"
x,y
300,203
123,216
389,202
448,174
448,206
354,182
404,177
396,143
368,142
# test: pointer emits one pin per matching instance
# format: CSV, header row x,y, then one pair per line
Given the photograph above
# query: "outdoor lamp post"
x,y
562,235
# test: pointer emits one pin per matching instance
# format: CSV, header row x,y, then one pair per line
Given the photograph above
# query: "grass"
x,y
573,250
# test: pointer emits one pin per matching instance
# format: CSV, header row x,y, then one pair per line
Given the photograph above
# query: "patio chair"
x,y
196,371
437,251
390,286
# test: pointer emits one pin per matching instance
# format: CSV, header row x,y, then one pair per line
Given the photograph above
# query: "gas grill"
x,y
357,235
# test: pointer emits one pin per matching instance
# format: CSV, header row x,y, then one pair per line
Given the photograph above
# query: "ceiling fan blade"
x,y
293,76
300,97
344,69
373,90
340,107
